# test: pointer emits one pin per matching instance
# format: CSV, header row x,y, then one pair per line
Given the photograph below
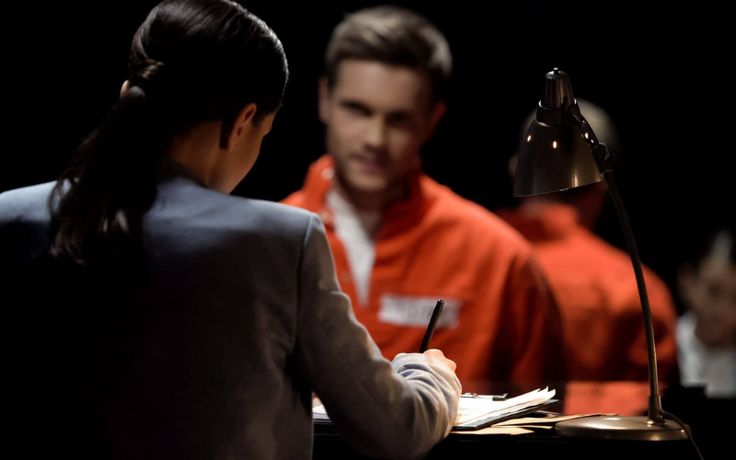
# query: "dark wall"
x,y
659,72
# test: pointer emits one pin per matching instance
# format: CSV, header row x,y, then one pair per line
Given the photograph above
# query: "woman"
x,y
160,317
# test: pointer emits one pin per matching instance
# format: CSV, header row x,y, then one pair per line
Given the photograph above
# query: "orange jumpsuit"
x,y
595,287
500,323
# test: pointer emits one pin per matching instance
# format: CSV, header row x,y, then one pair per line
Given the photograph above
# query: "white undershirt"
x,y
356,229
712,367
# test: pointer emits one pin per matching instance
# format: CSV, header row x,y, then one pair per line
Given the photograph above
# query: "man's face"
x,y
377,117
712,294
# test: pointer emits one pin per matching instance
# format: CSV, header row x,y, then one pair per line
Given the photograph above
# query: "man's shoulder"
x,y
474,220
295,199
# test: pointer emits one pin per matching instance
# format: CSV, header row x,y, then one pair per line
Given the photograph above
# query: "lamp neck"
x,y
600,151
656,414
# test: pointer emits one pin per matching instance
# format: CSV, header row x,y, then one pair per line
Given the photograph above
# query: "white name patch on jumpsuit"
x,y
416,311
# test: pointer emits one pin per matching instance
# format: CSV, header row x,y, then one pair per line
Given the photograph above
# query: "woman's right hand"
x,y
434,356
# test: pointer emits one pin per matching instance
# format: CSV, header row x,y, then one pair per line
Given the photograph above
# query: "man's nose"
x,y
376,133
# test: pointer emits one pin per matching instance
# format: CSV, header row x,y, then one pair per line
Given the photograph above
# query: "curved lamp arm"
x,y
603,161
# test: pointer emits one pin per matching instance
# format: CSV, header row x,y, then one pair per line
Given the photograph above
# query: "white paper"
x,y
474,409
480,407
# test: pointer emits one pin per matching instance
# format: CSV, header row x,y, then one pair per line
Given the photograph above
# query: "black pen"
x,y
431,326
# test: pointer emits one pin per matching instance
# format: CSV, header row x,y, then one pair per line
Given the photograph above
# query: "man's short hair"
x,y
393,36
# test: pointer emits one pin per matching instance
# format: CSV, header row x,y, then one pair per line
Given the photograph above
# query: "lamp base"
x,y
625,428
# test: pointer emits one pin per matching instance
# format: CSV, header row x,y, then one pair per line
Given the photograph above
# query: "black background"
x,y
660,71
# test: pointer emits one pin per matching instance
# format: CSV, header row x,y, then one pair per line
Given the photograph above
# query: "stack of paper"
x,y
480,410
477,411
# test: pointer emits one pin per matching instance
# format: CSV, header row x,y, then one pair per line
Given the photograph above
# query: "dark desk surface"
x,y
540,445
708,420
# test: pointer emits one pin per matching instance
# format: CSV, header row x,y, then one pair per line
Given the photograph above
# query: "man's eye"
x,y
357,109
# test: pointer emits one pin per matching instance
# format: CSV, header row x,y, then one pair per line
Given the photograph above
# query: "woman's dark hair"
x,y
190,61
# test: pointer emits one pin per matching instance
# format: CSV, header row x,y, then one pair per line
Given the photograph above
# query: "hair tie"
x,y
148,75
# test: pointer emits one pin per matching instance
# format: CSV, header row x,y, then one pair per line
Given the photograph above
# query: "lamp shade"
x,y
554,153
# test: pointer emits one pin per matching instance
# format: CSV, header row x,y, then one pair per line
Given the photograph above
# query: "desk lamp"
x,y
559,152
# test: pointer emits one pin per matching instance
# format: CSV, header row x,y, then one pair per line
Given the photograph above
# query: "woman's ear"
x,y
242,125
124,88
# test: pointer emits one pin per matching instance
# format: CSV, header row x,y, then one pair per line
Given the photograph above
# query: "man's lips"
x,y
371,163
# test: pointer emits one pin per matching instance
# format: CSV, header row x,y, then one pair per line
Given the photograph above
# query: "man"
x,y
706,332
594,285
401,240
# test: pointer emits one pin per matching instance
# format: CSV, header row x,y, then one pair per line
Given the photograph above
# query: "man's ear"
x,y
324,100
241,125
438,111
686,283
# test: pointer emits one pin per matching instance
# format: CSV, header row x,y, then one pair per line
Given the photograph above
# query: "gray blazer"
x,y
246,320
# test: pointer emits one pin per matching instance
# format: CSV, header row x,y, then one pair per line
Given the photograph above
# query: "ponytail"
x,y
111,183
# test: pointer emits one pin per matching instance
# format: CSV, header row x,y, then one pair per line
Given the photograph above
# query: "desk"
x,y
715,438
539,445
